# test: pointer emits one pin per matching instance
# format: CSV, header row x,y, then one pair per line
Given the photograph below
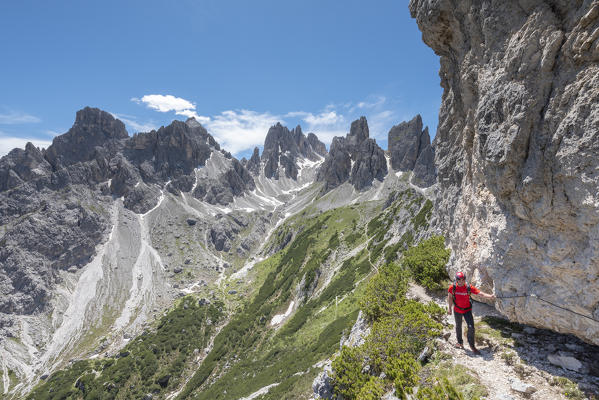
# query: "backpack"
x,y
469,298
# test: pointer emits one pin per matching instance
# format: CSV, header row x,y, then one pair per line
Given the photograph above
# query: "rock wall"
x,y
283,147
517,152
410,150
355,158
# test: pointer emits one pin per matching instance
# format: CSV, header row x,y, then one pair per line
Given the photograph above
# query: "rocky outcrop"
x,y
51,231
424,172
232,179
21,166
171,151
94,131
355,158
405,143
283,148
517,152
410,150
253,164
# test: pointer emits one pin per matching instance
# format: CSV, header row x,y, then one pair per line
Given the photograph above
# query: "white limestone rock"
x,y
565,361
517,152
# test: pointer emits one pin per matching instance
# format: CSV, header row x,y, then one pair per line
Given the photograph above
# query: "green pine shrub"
x,y
374,389
442,390
383,289
349,379
427,262
403,371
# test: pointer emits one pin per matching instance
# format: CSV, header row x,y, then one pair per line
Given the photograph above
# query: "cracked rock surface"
x,y
517,152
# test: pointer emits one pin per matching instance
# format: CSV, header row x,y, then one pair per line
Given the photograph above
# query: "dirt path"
x,y
513,363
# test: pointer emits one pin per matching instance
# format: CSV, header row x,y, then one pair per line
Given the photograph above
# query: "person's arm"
x,y
449,303
486,295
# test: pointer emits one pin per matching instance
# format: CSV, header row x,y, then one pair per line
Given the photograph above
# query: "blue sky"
x,y
238,66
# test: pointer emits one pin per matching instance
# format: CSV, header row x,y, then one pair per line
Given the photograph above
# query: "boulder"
x,y
322,386
565,361
522,387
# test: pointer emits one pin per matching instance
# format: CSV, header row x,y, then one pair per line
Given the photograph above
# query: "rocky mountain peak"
x,y
253,164
92,128
405,142
20,166
410,150
283,147
355,158
100,122
192,122
358,131
318,147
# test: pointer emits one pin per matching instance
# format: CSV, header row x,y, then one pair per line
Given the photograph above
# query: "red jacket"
x,y
461,297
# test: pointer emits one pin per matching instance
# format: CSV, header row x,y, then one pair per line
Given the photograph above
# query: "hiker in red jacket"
x,y
459,298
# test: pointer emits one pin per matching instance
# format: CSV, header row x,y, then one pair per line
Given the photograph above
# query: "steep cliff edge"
x,y
516,152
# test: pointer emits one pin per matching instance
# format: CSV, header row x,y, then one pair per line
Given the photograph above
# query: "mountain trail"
x,y
512,367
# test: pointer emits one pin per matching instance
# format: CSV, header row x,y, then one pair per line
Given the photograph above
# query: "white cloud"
x,y
241,130
134,125
12,117
166,103
7,143
52,133
376,102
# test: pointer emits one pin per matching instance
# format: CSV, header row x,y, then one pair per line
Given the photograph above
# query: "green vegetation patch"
x,y
420,220
497,329
427,262
248,353
401,328
153,363
460,377
569,388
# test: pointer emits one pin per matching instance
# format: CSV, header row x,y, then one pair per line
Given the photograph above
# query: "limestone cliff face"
x,y
517,151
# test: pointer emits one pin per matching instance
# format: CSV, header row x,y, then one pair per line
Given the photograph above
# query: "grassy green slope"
x,y
324,269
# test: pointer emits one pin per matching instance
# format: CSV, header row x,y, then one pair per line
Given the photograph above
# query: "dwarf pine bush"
x,y
427,262
400,330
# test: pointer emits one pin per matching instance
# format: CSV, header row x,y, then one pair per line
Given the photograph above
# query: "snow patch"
x,y
260,392
247,266
277,319
160,200
195,183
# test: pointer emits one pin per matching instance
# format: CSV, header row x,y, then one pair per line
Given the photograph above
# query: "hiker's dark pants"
x,y
458,326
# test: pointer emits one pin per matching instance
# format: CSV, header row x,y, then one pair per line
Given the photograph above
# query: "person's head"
x,y
460,278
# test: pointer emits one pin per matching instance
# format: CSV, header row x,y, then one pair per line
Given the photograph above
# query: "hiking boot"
x,y
459,345
475,351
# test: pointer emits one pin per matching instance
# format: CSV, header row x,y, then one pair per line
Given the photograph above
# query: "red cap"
x,y
460,275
